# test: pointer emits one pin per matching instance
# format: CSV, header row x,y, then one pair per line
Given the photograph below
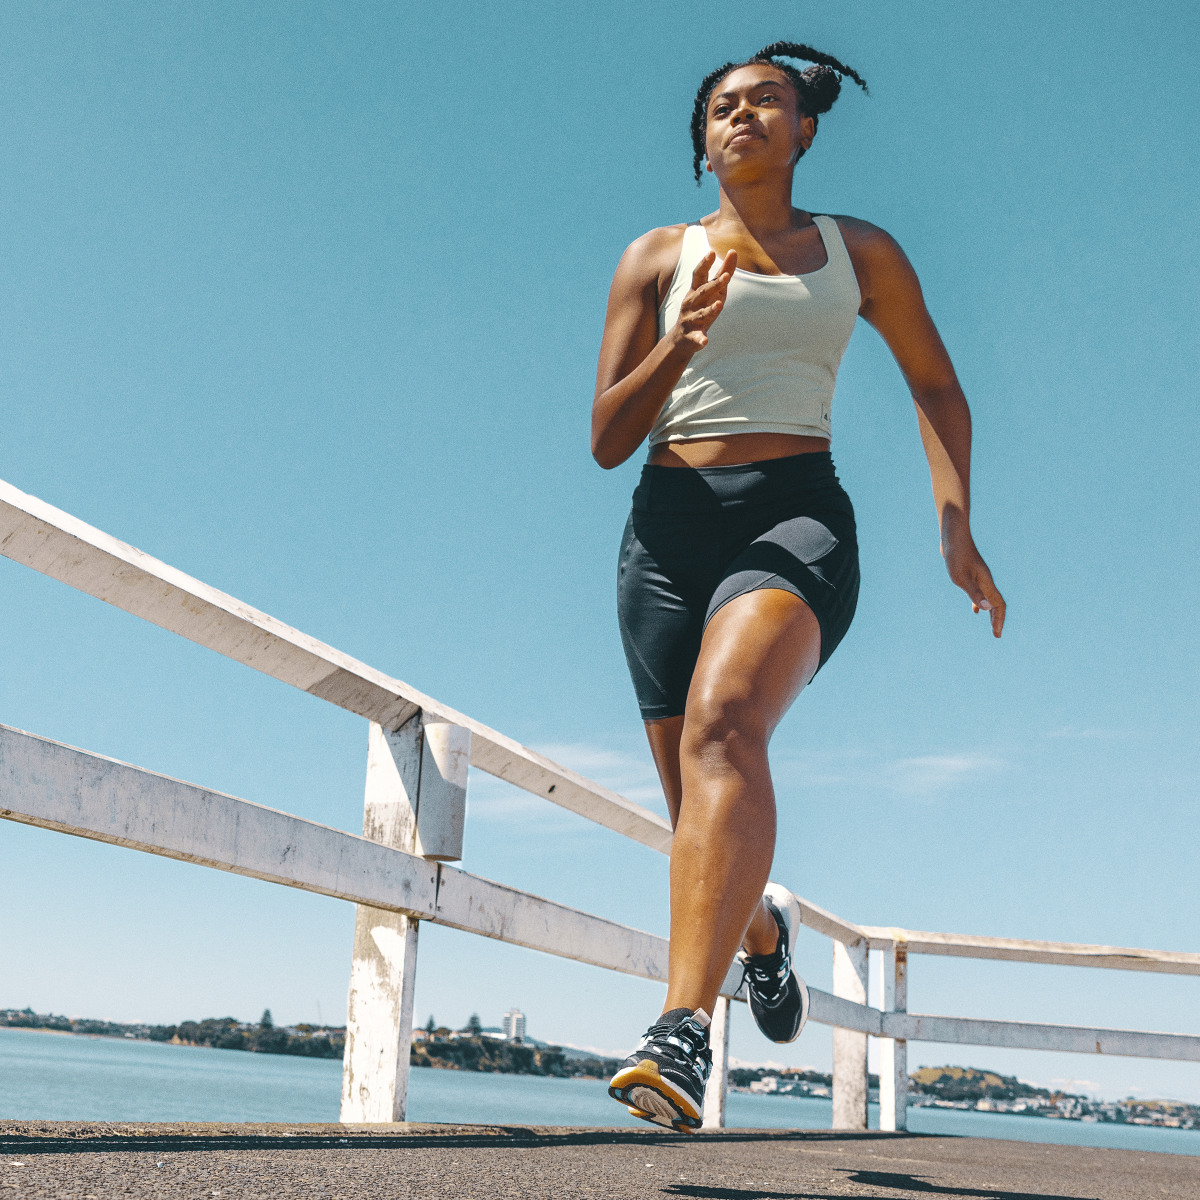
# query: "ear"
x,y
708,166
808,131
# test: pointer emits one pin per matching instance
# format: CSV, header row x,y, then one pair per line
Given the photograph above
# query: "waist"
x,y
734,450
807,480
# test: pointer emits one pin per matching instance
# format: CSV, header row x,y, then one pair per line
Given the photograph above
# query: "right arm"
x,y
638,370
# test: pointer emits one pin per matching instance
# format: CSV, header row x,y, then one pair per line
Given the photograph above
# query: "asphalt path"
x,y
472,1162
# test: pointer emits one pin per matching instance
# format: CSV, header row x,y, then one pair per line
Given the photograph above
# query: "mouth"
x,y
744,135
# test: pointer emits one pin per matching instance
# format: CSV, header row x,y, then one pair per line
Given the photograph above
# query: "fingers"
x,y
706,298
985,597
718,285
995,603
971,574
701,300
700,274
701,306
704,317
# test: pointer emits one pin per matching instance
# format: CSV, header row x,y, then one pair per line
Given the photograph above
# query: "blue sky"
x,y
305,300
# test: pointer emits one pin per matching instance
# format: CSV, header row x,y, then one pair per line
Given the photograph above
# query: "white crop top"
x,y
773,352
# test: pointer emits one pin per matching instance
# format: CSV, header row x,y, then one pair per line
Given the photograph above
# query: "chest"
x,y
796,252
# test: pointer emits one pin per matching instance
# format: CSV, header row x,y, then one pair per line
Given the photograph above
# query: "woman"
x,y
739,566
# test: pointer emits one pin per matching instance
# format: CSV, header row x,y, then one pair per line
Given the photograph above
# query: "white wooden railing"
x,y
398,872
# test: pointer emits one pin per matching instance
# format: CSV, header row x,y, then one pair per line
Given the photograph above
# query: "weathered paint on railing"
x,y
57,544
390,872
58,787
1069,954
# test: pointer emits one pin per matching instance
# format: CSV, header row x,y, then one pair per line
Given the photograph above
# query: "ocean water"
x,y
63,1077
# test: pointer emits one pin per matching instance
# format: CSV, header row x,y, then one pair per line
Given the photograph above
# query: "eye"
x,y
720,110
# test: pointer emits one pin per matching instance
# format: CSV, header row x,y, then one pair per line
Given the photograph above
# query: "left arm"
x,y
893,304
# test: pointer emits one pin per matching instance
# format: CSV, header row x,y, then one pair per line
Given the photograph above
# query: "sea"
x,y
71,1077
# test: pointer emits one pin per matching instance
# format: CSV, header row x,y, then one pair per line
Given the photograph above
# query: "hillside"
x,y
967,1083
493,1055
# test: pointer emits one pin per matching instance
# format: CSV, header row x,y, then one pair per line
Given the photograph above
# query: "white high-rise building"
x,y
514,1025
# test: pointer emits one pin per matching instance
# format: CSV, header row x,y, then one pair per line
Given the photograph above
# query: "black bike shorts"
x,y
699,537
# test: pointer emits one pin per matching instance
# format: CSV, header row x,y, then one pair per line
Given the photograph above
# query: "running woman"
x,y
738,572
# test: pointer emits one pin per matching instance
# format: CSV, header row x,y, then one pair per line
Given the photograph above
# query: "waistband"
x,y
798,477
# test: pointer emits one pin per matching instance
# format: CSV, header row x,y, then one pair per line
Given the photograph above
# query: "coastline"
x,y
946,1089
115,1079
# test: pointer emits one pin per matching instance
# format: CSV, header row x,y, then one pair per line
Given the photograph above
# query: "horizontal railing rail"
x,y
58,787
1067,954
56,544
398,872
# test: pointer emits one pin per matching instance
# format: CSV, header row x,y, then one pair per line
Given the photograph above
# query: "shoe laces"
x,y
684,1041
764,979
766,976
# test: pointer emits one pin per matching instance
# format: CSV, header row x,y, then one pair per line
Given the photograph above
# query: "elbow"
x,y
939,395
604,455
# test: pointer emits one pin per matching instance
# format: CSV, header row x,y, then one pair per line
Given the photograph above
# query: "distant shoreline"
x,y
68,1032
444,1051
962,1089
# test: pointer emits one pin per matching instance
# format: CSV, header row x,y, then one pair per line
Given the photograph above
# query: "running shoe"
x,y
778,996
663,1079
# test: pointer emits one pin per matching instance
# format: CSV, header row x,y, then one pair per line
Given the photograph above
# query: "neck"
x,y
762,207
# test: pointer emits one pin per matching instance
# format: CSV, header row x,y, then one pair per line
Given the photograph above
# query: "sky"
x,y
305,299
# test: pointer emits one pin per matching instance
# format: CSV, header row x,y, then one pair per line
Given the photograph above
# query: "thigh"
x,y
758,652
813,556
664,583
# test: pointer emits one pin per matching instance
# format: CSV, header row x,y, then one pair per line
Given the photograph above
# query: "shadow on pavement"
x,y
892,1180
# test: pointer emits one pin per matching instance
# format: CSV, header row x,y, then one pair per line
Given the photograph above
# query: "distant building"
x,y
514,1025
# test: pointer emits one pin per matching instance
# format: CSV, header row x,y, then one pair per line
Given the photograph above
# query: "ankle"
x,y
762,938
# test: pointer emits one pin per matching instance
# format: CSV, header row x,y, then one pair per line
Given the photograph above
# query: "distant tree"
x,y
475,1026
430,1025
265,1021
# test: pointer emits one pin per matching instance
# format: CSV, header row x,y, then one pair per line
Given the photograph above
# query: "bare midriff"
x,y
739,448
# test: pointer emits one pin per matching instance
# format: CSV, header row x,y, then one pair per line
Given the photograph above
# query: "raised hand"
x,y
704,300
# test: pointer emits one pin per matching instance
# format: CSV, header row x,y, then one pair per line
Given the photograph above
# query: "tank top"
x,y
773,352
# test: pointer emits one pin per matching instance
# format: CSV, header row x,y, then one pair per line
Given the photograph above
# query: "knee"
x,y
721,724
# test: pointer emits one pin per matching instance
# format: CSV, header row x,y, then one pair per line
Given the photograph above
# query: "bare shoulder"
x,y
875,245
664,240
881,266
652,259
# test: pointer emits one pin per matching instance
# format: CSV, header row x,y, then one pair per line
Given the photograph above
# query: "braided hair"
x,y
817,86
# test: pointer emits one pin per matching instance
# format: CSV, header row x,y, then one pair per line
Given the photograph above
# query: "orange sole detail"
x,y
646,1094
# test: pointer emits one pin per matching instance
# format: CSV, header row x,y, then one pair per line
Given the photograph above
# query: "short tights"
x,y
699,537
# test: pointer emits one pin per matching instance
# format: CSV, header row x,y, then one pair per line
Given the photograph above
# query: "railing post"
x,y
442,803
379,1013
893,1052
718,1081
849,1046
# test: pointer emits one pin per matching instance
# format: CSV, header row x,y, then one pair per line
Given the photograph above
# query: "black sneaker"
x,y
778,996
663,1079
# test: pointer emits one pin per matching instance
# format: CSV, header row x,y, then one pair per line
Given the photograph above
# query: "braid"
x,y
808,54
700,114
817,87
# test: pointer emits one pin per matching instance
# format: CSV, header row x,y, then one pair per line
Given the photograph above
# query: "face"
x,y
753,124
